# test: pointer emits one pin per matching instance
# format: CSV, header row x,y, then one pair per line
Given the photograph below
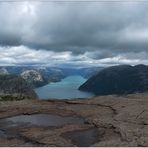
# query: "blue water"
x,y
65,89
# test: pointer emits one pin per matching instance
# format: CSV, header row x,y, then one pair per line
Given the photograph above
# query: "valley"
x,y
38,76
66,88
62,115
44,82
73,73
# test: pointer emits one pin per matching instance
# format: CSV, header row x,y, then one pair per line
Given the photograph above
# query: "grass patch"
x,y
14,98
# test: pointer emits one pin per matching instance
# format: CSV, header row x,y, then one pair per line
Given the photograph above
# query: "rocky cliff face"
x,y
33,77
41,76
121,79
51,74
15,86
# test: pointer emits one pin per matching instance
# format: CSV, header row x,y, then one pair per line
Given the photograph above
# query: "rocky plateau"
x,y
102,121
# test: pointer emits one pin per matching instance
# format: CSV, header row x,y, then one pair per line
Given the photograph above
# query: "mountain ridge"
x,y
122,79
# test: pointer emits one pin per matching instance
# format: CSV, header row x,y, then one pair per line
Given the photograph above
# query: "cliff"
x,y
15,86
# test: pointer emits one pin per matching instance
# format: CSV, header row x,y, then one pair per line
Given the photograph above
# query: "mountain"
x,y
52,74
15,86
91,71
3,71
123,79
36,76
33,77
16,70
84,72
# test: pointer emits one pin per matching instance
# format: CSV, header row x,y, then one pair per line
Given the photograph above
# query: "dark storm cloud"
x,y
65,26
97,31
80,28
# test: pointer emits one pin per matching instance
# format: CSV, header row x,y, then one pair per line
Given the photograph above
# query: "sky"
x,y
76,33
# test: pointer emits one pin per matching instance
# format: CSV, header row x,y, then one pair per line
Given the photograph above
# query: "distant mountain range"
x,y
123,79
40,76
84,72
35,76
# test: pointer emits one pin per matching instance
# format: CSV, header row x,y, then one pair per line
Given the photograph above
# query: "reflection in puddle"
x,y
83,138
43,120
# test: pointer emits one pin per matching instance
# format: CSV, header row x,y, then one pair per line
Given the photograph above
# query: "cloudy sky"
x,y
77,33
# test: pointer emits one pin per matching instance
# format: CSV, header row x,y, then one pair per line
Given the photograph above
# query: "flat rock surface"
x,y
112,120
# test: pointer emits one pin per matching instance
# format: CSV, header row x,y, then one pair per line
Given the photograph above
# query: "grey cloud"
x,y
22,55
54,26
98,31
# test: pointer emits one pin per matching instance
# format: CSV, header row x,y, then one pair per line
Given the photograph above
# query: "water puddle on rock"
x,y
2,134
43,120
83,138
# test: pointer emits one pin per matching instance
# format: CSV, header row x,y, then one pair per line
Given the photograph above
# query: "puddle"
x,y
2,134
42,120
83,138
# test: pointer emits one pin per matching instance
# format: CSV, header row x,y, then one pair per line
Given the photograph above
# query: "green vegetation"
x,y
14,98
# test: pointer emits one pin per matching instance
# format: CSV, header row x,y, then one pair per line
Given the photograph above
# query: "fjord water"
x,y
65,89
